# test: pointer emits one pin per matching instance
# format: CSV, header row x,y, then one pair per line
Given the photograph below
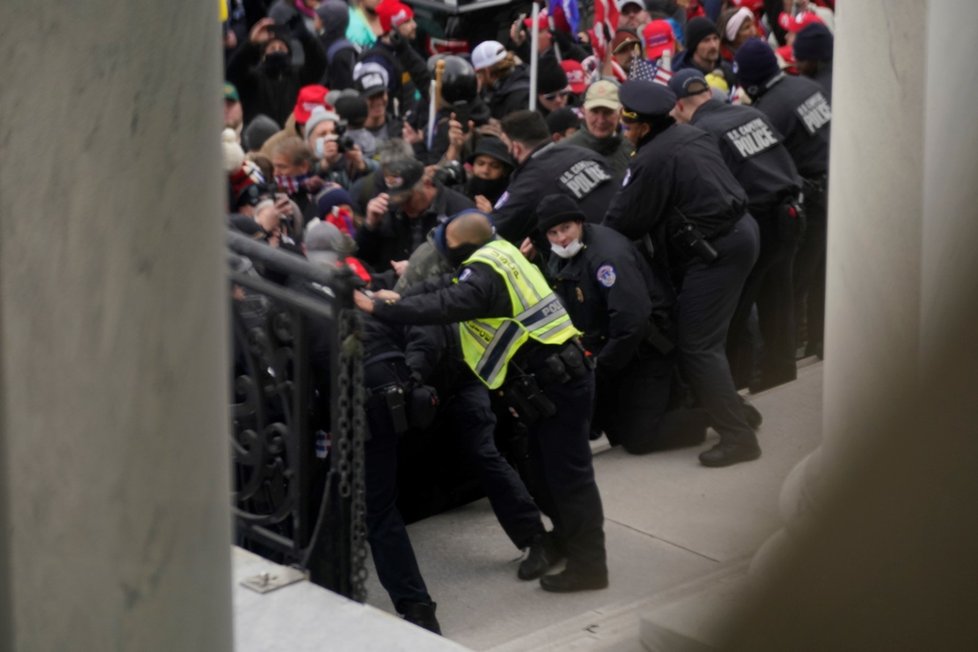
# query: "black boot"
x,y
751,415
574,579
541,557
421,614
727,453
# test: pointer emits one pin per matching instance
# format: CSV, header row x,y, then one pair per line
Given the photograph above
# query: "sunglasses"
x,y
550,97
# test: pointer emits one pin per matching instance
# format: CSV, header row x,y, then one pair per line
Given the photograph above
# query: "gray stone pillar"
x,y
113,328
875,244
886,557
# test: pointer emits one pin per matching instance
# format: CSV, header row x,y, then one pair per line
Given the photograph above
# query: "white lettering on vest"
x,y
752,138
583,177
815,113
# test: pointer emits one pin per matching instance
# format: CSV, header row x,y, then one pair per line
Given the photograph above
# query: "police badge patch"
x,y
628,177
466,273
606,275
502,200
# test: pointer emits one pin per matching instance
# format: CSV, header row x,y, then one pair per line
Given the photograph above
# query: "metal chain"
x,y
349,446
358,528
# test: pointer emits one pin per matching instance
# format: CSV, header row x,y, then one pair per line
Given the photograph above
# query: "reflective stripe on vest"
x,y
489,344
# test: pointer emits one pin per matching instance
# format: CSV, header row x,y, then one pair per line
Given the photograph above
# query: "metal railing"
x,y
297,415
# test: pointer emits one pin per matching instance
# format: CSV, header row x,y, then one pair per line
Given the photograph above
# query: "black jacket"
x,y
407,73
609,292
511,93
397,235
574,171
274,96
678,168
799,110
753,150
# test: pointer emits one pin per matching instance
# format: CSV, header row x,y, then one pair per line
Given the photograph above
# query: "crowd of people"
x,y
615,250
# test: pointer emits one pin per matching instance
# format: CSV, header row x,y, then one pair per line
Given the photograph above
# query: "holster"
x,y
790,216
393,396
524,395
658,340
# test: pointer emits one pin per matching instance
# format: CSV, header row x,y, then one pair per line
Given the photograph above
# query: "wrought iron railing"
x,y
297,415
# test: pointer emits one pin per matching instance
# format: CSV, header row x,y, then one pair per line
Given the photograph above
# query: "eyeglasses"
x,y
550,97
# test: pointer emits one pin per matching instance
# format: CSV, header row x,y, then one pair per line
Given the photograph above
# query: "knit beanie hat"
x,y
697,30
330,198
258,131
550,76
814,43
233,154
755,63
556,209
319,114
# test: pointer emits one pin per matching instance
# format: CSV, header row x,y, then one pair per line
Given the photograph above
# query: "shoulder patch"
x,y
606,275
628,177
503,198
466,273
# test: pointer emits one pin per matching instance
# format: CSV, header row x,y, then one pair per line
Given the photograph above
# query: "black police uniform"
x,y
678,175
465,411
579,173
753,150
625,313
799,110
397,235
388,367
558,445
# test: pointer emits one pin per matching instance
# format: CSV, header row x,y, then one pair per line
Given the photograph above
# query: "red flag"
x,y
605,24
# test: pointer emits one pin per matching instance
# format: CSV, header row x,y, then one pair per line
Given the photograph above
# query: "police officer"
x,y
799,110
754,151
680,193
543,168
517,337
387,374
610,294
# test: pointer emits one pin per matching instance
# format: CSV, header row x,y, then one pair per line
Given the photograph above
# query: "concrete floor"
x,y
669,522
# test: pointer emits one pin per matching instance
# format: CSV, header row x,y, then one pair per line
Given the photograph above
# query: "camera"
x,y
345,143
450,174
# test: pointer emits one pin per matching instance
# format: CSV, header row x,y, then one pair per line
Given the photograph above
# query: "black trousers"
x,y
560,452
473,425
706,302
397,567
809,277
770,286
632,406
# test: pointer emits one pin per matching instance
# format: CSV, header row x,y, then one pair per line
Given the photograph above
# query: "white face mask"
x,y
569,251
320,147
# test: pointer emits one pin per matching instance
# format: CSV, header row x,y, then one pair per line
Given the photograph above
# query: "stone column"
x,y
886,557
113,328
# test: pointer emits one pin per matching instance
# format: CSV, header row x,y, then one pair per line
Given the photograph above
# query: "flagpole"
x,y
534,55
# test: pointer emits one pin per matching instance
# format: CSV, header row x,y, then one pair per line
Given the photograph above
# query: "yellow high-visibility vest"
x,y
489,344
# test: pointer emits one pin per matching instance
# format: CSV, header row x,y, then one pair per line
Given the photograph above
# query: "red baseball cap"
x,y
308,99
542,21
798,22
658,37
576,77
392,14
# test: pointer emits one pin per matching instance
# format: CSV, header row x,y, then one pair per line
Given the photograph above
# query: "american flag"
x,y
605,24
571,13
647,70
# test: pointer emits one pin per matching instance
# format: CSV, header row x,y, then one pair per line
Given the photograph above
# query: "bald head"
x,y
473,228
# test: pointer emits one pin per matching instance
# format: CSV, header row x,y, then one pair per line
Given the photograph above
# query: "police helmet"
x,y
458,83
